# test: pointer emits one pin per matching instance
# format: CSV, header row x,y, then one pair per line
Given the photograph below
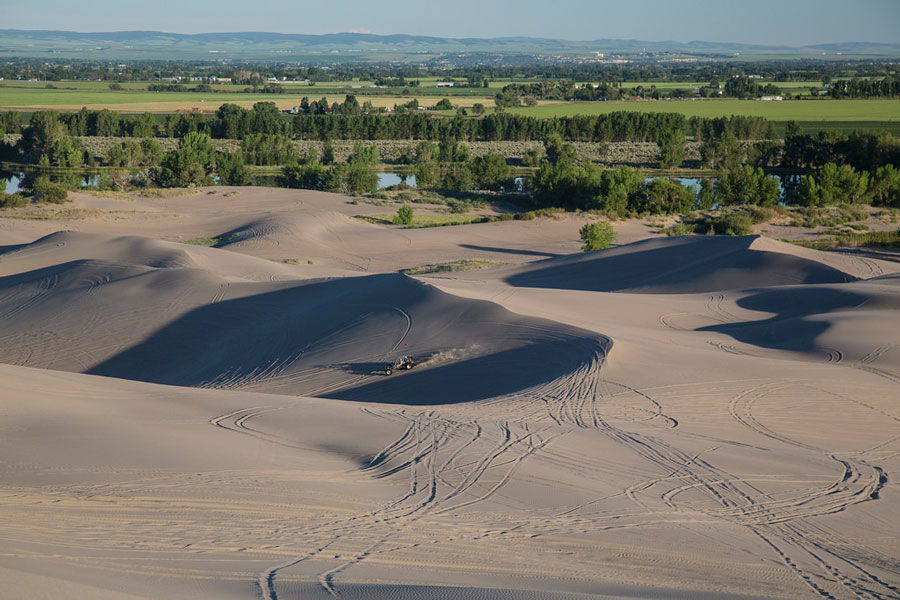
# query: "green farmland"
x,y
786,110
28,97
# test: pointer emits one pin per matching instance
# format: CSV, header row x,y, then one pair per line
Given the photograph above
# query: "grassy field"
x,y
799,110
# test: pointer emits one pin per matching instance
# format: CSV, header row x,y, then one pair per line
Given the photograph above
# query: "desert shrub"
x,y
404,215
818,216
759,214
458,179
13,200
55,194
678,229
736,223
459,206
597,236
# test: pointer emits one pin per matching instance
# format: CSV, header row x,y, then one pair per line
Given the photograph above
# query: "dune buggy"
x,y
404,363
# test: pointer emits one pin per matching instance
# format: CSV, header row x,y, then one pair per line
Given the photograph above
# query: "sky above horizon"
x,y
774,22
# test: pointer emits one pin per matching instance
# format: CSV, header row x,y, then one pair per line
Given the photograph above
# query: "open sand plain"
x,y
695,417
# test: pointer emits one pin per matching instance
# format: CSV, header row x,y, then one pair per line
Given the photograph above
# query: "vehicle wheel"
x,y
388,371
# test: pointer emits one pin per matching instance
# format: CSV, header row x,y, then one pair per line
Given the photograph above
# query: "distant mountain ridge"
x,y
245,44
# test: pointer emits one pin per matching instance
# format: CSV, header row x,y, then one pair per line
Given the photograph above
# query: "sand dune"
x,y
690,265
696,417
161,318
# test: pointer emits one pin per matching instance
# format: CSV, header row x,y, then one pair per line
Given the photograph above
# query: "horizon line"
x,y
450,37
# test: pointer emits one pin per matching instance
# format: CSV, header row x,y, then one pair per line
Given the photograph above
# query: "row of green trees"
x,y
235,122
887,87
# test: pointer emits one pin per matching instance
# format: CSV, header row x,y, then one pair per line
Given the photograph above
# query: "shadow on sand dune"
x,y
487,376
677,266
508,250
790,327
333,337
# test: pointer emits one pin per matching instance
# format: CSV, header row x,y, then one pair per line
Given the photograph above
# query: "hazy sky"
x,y
791,22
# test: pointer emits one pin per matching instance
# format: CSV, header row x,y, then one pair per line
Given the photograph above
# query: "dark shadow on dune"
x,y
239,338
508,250
363,368
677,267
334,334
480,377
11,248
603,591
790,327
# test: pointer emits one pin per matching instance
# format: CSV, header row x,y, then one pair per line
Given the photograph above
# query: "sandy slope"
x,y
280,224
680,418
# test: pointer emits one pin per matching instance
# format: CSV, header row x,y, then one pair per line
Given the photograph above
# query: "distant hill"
x,y
156,44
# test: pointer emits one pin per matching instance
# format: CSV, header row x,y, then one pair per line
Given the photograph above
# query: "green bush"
x,y
13,200
55,194
404,215
759,214
597,236
679,229
736,223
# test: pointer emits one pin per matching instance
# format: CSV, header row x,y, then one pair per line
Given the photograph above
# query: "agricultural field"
x,y
798,110
142,101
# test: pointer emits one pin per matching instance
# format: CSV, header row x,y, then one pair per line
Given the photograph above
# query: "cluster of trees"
x,y
741,127
727,152
617,126
356,176
565,181
101,123
887,87
350,106
861,150
449,166
132,153
527,94
269,149
745,87
842,184
175,87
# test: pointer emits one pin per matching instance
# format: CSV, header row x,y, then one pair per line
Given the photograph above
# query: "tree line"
x,y
234,122
888,87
